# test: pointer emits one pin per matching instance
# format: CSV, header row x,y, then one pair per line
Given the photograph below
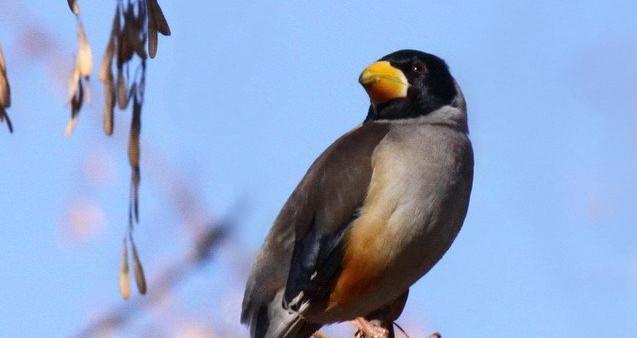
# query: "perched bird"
x,y
375,211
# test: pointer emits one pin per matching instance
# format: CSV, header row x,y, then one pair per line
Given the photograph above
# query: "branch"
x,y
206,244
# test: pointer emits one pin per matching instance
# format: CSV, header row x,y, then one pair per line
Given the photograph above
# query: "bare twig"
x,y
78,84
206,244
74,7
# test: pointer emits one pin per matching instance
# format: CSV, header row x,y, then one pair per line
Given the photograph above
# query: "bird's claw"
x,y
369,329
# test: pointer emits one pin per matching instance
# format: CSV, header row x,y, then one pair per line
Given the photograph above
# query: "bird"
x,y
374,212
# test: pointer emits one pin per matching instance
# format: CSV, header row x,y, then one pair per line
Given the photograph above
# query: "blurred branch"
x,y
36,42
205,246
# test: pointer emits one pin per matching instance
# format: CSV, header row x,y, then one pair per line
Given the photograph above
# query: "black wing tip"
x,y
257,320
247,310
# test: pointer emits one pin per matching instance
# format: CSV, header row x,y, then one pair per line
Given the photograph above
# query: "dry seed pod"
x,y
75,8
122,93
78,98
158,18
139,46
124,273
133,149
139,42
134,156
135,131
125,49
109,104
106,75
152,42
83,68
84,56
5,93
140,278
74,84
76,105
156,23
133,33
107,60
70,126
5,89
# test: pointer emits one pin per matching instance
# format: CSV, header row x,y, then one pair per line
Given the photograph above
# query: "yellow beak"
x,y
383,82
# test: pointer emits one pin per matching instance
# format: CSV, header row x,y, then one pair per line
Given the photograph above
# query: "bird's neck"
x,y
452,115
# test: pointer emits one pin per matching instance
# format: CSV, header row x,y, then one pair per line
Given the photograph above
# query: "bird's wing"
x,y
334,189
308,229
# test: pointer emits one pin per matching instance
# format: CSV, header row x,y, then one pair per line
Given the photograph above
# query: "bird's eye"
x,y
418,67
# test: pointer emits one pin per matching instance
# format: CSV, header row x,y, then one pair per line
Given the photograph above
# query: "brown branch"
x,y
206,244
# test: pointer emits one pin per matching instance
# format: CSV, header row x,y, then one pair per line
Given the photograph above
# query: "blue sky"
x,y
245,95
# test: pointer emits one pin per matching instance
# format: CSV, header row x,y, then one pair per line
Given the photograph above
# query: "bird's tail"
x,y
271,320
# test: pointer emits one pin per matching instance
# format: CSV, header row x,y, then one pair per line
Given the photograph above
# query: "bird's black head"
x,y
407,83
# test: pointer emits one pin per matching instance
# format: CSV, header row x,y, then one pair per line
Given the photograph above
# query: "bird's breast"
x,y
406,222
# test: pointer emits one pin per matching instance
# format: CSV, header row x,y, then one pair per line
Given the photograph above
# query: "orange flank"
x,y
367,252
364,263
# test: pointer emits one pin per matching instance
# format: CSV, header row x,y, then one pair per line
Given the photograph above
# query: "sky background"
x,y
244,95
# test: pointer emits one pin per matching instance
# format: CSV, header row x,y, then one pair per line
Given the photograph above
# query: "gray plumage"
x,y
402,185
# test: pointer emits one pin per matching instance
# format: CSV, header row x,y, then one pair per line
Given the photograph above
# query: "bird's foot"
x,y
369,329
